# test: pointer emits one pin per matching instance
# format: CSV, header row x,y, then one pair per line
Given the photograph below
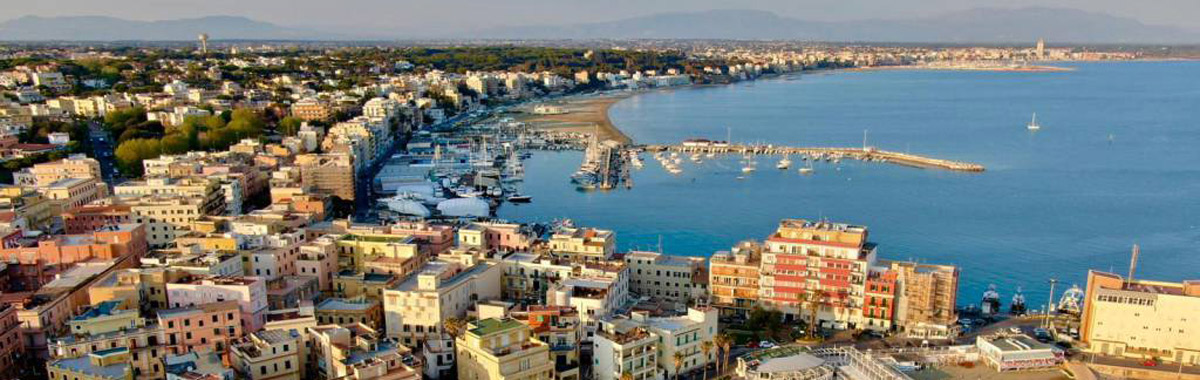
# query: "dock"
x,y
864,154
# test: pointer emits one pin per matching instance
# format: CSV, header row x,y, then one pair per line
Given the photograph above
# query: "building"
x,y
733,279
330,174
355,352
683,334
415,308
110,364
492,236
312,110
342,311
33,266
626,348
91,217
680,279
166,218
1006,353
209,327
271,354
925,298
559,327
249,292
69,193
583,244
111,325
500,349
1141,319
75,166
11,347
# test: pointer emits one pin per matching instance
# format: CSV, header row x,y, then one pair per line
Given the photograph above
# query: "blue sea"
x,y
1114,164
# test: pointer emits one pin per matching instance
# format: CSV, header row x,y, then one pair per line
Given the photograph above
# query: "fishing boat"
x,y
1033,124
784,164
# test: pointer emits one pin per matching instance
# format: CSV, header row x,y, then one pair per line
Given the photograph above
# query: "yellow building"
x,y
76,166
69,193
270,354
342,311
1141,319
166,218
357,250
29,205
105,327
499,349
583,244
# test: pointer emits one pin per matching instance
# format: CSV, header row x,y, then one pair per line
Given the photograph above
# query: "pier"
x,y
864,154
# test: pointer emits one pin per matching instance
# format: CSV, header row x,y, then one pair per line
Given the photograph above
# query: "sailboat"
x,y
784,163
749,166
1033,124
807,169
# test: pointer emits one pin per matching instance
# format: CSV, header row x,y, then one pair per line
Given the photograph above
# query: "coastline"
x,y
585,114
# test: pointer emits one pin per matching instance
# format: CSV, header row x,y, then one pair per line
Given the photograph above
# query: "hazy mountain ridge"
x,y
103,28
974,25
980,25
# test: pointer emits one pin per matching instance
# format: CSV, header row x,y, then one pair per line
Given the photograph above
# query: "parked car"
x,y
1014,330
766,344
752,345
1041,335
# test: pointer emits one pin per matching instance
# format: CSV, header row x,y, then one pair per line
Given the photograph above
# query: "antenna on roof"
x,y
1133,263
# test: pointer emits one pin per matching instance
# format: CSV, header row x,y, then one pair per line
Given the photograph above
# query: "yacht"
x,y
784,164
1033,124
518,198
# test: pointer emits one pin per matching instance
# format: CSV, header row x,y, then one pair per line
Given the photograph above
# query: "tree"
x,y
131,153
290,125
811,301
726,343
175,144
707,347
678,359
626,375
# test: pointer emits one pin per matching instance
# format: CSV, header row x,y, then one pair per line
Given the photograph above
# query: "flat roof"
x,y
83,364
493,325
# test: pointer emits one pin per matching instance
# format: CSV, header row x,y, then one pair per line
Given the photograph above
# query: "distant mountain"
x,y
101,28
982,25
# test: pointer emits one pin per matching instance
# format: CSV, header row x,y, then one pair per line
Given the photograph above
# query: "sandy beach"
x,y
584,114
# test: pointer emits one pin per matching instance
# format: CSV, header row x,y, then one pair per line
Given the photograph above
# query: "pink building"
x,y
438,238
504,237
35,264
250,294
210,326
319,259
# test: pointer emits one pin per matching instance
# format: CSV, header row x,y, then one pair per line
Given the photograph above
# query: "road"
x,y
102,150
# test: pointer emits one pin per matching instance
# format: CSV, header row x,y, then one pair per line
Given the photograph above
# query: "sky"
x,y
451,16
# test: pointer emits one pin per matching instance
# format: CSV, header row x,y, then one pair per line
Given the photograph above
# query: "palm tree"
x,y
810,301
707,347
678,363
726,343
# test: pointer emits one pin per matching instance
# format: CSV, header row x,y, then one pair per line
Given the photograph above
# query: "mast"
x,y
1133,263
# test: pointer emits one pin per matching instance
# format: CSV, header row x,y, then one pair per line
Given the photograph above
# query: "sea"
x,y
1115,164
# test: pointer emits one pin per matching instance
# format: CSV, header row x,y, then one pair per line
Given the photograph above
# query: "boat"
x,y
518,198
808,169
784,164
710,155
1018,304
695,157
1033,124
990,304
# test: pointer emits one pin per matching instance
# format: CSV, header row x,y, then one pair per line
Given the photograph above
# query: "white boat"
x,y
807,169
710,155
695,157
1033,124
784,163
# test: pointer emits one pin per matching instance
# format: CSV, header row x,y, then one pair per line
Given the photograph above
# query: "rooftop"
x,y
83,364
345,304
494,325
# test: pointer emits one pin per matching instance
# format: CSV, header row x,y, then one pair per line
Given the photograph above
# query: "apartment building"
x,y
209,327
493,236
355,352
681,279
926,298
88,218
622,348
11,347
415,308
69,193
75,166
31,266
822,262
529,276
208,191
500,349
269,355
330,174
733,279
583,244
166,218
113,325
110,364
683,334
1141,319
558,327
312,110
348,311
249,292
